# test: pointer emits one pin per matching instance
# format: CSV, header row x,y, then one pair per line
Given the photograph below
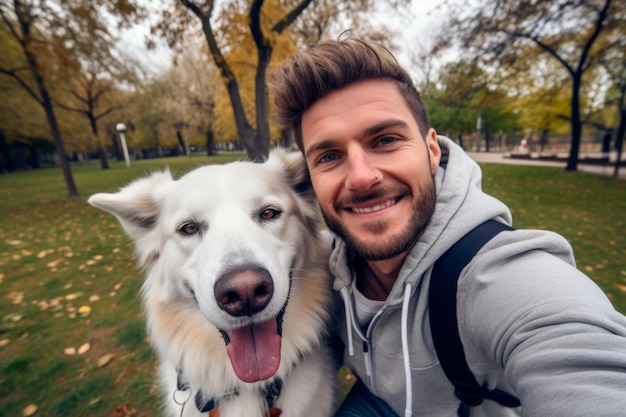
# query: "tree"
x,y
22,25
49,33
89,93
22,120
463,94
262,25
506,31
613,64
192,84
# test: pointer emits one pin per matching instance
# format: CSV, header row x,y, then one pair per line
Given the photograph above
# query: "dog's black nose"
x,y
244,292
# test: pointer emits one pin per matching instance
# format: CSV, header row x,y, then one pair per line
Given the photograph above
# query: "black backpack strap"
x,y
443,319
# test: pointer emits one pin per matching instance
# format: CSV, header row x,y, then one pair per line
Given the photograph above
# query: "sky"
x,y
416,34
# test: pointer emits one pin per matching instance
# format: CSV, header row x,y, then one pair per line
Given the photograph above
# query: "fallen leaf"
x,y
29,410
4,342
105,359
70,351
621,287
123,411
95,401
84,310
117,286
94,298
55,263
84,348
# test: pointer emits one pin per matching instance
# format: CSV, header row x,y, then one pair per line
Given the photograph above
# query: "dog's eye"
x,y
189,229
269,213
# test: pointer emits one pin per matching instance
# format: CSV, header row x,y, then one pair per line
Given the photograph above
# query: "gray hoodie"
x,y
530,322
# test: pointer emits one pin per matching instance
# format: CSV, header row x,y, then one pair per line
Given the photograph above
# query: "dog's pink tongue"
x,y
254,351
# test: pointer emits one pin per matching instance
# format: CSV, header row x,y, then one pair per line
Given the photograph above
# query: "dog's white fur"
x,y
227,202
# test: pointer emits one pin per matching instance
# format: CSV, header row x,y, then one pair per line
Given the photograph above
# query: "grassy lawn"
x,y
72,339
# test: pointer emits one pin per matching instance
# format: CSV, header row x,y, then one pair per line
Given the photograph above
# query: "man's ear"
x,y
137,207
434,150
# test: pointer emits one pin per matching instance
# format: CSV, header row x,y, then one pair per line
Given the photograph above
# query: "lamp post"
x,y
479,126
121,128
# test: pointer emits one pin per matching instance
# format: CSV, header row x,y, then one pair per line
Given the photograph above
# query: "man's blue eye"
x,y
329,157
387,140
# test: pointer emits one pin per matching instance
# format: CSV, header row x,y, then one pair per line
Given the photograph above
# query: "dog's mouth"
x,y
254,350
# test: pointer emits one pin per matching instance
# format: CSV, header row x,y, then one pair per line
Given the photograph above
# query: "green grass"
x,y
588,210
58,254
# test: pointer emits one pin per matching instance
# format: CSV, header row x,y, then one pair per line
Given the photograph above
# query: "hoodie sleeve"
x,y
527,314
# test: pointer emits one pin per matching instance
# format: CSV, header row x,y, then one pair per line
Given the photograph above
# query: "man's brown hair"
x,y
330,66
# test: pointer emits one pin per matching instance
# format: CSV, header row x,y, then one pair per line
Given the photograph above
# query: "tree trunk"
x,y
33,157
209,142
244,129
6,154
621,130
181,142
104,164
261,100
572,161
56,135
46,103
116,147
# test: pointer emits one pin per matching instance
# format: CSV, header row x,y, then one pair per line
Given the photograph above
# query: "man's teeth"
x,y
374,208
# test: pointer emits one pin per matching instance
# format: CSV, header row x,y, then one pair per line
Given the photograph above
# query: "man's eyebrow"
x,y
320,146
384,125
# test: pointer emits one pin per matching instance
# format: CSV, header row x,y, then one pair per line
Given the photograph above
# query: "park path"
x,y
502,158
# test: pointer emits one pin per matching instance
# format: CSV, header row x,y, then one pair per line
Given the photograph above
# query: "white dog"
x,y
237,293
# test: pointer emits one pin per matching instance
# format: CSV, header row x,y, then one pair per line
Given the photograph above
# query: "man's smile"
x,y
374,208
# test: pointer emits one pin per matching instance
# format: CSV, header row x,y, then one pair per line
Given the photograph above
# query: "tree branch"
x,y
550,50
596,32
280,26
108,111
25,86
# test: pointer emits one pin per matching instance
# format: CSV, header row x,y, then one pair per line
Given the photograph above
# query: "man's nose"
x,y
362,173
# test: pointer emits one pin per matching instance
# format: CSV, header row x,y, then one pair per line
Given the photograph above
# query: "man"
x,y
397,196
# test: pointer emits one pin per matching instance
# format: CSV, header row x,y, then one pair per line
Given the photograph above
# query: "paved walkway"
x,y
501,158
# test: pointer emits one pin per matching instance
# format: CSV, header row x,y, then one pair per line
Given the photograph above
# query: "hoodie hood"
x,y
461,206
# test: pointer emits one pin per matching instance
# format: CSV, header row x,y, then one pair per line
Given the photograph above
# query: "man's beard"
x,y
371,250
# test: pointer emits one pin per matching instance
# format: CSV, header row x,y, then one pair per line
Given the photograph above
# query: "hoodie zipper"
x,y
365,342
368,363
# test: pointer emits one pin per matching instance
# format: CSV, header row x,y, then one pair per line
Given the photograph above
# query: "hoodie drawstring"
x,y
347,302
405,351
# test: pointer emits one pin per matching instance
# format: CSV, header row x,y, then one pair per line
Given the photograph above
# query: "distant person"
x,y
397,196
523,146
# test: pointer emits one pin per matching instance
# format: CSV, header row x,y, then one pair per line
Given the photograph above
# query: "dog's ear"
x,y
297,172
137,208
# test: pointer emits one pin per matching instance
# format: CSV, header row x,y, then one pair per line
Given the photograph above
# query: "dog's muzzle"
x,y
253,349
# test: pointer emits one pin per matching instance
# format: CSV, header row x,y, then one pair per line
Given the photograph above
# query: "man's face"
x,y
371,168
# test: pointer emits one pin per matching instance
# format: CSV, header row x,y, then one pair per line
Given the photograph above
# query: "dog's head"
x,y
225,240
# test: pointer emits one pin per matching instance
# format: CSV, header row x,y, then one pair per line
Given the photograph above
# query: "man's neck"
x,y
375,279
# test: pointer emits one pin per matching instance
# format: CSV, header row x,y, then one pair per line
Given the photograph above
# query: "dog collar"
x,y
270,391
273,412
